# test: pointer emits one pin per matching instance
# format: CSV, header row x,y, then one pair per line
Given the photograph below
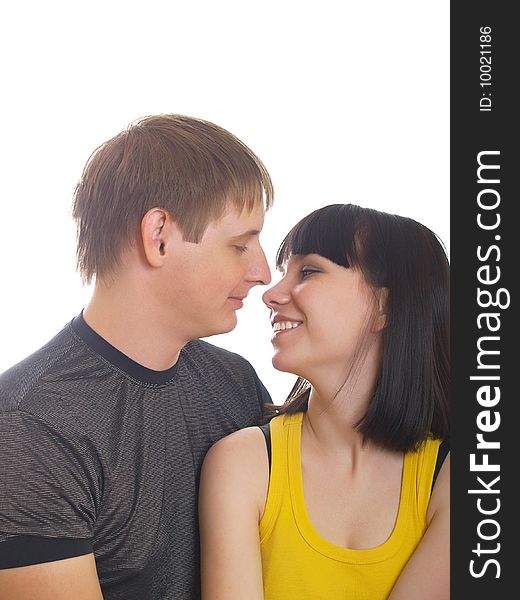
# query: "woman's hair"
x,y
191,168
397,253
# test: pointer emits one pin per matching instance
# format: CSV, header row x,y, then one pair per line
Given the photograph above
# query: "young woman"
x,y
345,494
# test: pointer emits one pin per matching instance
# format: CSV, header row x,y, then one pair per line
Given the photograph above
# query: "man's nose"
x,y
259,272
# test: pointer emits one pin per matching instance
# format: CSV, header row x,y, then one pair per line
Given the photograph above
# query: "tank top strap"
x,y
424,461
279,477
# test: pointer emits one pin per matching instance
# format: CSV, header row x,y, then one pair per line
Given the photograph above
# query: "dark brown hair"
x,y
191,168
406,258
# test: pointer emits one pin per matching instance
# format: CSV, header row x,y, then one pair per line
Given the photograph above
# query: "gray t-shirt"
x,y
99,453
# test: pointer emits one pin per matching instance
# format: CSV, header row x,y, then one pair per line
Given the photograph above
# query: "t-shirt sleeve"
x,y
50,491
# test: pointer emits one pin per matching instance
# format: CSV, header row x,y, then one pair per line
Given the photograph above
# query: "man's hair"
x,y
191,168
408,260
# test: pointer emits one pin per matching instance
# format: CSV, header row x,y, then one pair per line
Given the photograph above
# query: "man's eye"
x,y
240,249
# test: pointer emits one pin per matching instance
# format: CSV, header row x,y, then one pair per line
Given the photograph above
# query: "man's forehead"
x,y
239,224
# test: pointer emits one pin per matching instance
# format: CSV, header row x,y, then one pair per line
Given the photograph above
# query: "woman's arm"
x,y
427,573
233,491
57,580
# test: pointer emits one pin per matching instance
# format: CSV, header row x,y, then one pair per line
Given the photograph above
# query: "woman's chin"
x,y
283,363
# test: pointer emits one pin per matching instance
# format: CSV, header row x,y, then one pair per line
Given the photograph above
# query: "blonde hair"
x,y
191,168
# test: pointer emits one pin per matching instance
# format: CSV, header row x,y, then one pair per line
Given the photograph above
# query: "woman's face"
x,y
320,312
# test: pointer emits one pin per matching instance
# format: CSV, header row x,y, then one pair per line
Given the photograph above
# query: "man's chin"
x,y
224,327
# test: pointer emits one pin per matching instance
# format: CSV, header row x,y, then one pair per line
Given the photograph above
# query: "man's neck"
x,y
126,319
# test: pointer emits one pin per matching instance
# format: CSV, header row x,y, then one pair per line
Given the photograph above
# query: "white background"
x,y
343,101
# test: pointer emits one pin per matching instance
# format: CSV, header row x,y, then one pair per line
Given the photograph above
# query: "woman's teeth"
x,y
283,325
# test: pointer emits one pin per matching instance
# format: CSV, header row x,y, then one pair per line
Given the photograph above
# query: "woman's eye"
x,y
306,271
240,249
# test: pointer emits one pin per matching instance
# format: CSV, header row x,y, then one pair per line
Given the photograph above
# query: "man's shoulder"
x,y
205,351
218,366
224,379
19,381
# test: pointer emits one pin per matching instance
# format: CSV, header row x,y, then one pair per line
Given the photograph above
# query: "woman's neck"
x,y
338,403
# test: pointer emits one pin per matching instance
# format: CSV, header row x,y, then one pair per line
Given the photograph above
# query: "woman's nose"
x,y
277,294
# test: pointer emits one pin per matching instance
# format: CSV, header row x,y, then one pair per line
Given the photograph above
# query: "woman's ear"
x,y
156,229
381,320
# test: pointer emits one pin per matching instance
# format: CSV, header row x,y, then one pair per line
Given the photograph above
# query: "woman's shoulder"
x,y
238,461
248,442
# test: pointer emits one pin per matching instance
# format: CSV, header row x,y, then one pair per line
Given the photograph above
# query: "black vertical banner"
x,y
485,168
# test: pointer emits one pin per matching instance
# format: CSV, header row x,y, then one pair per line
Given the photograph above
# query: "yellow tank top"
x,y
298,564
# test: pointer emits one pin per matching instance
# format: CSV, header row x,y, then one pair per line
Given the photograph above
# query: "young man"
x,y
103,430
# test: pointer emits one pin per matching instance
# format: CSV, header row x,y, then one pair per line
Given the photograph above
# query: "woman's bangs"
x,y
329,232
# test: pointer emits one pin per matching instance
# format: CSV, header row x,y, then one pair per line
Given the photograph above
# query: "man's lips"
x,y
237,301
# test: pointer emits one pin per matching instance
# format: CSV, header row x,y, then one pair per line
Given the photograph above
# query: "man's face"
x,y
208,282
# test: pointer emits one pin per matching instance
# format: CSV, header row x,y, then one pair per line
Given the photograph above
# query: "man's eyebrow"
x,y
250,233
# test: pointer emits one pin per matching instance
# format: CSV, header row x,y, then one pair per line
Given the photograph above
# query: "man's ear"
x,y
381,320
157,228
